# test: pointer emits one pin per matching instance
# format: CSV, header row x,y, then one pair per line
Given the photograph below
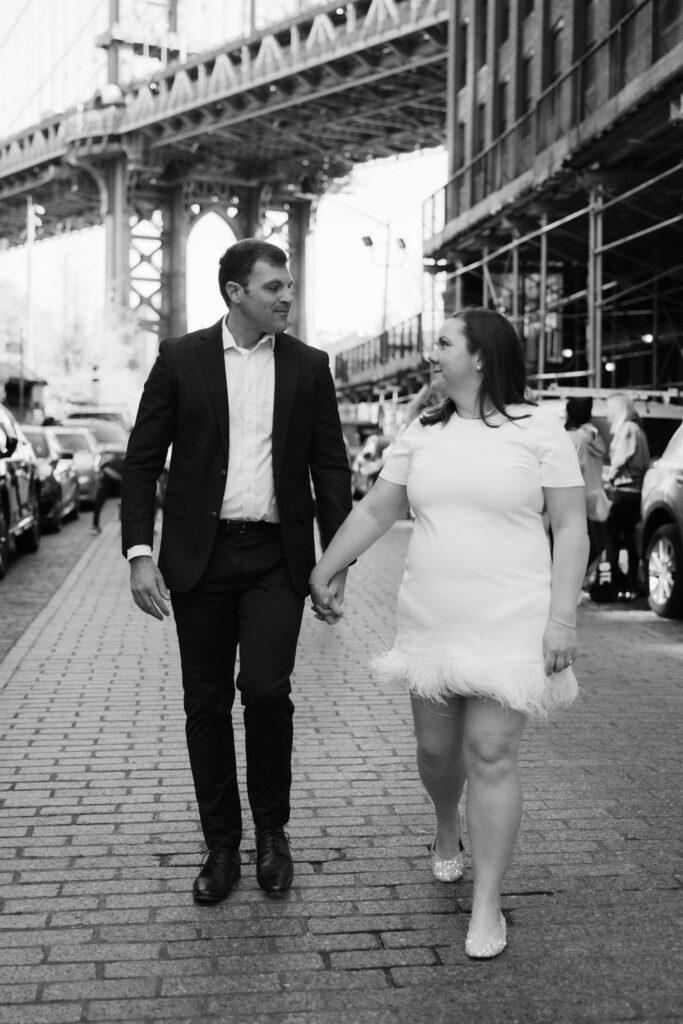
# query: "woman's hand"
x,y
559,646
328,598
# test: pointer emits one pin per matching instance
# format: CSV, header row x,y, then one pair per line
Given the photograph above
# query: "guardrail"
x,y
399,347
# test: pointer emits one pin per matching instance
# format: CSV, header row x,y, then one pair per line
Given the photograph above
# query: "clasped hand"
x,y
327,598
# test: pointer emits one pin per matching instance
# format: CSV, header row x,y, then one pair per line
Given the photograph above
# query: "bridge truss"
x,y
263,123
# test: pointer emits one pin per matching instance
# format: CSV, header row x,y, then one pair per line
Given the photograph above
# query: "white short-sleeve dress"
x,y
474,601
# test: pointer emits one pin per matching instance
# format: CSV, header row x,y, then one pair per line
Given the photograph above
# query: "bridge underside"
x,y
264,124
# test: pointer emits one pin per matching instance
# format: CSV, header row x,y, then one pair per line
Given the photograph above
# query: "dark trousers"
x,y
620,532
106,488
245,600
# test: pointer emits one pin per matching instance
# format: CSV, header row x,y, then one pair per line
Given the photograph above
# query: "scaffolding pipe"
x,y
591,298
543,297
515,284
520,241
598,286
641,234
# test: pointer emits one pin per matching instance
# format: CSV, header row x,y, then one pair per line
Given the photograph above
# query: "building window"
x,y
555,51
482,33
502,108
627,59
461,56
526,90
460,144
505,21
479,140
588,23
668,27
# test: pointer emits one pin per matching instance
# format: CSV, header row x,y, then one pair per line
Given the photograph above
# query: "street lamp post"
x,y
34,212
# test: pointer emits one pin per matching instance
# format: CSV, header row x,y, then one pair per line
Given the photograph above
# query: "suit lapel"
x,y
286,382
212,361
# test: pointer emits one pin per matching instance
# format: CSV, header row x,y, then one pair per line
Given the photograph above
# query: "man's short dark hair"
x,y
237,262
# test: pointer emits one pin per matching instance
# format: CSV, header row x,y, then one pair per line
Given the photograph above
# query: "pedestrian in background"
x,y
486,631
250,412
629,455
109,477
592,454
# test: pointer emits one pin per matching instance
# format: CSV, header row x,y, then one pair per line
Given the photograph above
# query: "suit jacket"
x,y
185,404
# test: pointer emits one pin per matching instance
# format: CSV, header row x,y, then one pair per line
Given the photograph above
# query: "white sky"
x,y
48,61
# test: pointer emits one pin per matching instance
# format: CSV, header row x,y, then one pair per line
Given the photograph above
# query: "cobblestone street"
x,y
100,843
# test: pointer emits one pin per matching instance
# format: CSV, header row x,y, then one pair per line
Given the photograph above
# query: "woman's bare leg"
x,y
494,802
439,733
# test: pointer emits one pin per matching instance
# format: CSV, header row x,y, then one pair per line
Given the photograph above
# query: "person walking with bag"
x,y
592,453
252,416
486,630
629,459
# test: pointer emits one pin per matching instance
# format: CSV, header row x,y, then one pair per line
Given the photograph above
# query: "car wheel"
x,y
4,542
664,562
29,542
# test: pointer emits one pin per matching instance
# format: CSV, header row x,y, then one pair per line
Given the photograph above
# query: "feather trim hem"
x,y
517,685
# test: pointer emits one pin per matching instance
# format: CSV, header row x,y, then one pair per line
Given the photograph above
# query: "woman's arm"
x,y
368,521
567,513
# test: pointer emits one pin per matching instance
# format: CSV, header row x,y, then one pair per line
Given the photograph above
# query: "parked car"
x,y
98,412
111,438
58,482
660,532
81,442
19,503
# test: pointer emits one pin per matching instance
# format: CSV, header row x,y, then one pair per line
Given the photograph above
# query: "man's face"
x,y
265,302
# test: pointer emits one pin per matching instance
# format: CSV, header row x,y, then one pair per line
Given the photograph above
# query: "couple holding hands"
x,y
486,611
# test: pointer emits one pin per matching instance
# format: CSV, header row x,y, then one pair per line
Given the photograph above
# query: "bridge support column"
x,y
117,271
298,225
176,227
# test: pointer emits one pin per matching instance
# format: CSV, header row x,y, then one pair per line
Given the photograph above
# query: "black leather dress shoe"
x,y
274,867
218,874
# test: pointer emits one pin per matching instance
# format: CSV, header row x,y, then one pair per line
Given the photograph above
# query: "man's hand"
x,y
148,587
328,598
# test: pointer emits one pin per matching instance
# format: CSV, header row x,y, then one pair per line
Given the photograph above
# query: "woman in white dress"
x,y
486,615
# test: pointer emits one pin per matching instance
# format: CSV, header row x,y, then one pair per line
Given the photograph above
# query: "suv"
x,y
19,501
660,532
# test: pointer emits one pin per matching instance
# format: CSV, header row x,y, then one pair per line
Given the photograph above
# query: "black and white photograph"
x,y
341,511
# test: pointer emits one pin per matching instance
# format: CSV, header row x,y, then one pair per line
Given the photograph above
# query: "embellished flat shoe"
x,y
485,947
447,869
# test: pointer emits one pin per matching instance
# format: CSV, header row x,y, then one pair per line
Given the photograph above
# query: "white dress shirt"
x,y
249,488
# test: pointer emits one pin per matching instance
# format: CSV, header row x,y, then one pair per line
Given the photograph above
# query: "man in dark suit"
x,y
250,412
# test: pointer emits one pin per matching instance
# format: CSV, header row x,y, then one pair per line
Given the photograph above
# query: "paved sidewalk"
x,y
99,841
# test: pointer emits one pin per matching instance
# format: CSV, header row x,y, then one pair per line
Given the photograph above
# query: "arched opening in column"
x,y
209,237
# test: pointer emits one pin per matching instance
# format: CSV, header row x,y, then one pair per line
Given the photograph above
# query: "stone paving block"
x,y
99,825
60,1013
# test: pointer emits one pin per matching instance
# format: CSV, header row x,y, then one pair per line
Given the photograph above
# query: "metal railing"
x,y
637,42
399,347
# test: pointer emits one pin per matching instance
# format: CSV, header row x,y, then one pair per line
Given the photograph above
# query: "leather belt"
x,y
245,525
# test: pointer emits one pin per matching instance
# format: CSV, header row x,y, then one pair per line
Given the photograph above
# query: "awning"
x,y
11,371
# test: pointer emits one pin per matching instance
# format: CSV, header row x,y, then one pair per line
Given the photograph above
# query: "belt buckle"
x,y
243,526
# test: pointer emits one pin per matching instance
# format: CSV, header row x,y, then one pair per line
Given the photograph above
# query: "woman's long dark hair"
x,y
492,337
